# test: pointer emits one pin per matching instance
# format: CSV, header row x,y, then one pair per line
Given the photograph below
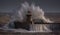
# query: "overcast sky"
x,y
49,6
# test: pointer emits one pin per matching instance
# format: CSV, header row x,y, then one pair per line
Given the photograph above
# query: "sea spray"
x,y
37,13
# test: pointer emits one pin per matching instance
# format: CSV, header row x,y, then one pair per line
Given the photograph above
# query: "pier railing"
x,y
45,27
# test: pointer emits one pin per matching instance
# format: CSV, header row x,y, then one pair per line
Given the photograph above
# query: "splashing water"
x,y
37,13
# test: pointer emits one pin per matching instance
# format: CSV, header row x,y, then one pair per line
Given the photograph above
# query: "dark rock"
x,y
22,25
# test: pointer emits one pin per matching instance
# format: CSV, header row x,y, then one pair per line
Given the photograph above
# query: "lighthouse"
x,y
29,17
24,24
